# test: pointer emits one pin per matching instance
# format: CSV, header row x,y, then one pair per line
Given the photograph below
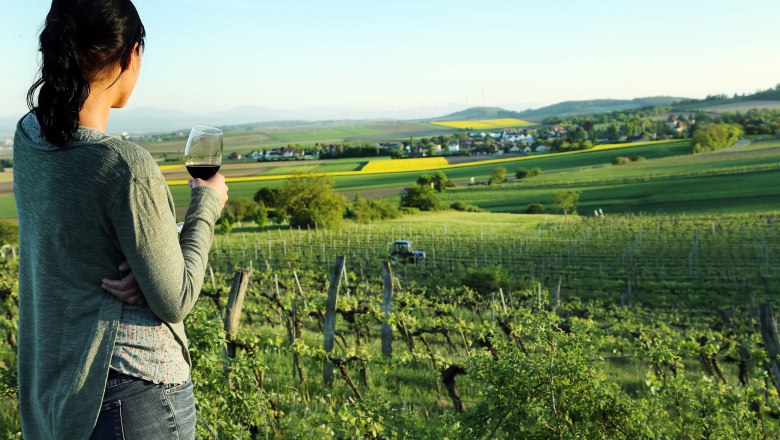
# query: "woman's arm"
x,y
125,289
169,270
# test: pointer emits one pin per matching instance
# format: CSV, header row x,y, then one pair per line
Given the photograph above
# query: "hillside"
x,y
769,98
478,113
571,108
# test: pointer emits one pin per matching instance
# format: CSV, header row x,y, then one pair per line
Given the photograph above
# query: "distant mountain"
x,y
151,119
573,108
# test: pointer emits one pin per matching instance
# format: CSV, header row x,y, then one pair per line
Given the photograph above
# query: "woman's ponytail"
x,y
80,41
63,85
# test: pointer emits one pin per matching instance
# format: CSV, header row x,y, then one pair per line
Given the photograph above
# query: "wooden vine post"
x,y
771,340
387,309
329,329
233,313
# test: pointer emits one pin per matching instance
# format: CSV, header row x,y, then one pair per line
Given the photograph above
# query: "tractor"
x,y
401,252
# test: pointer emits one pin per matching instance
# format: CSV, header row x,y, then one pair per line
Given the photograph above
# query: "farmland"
x,y
636,325
485,124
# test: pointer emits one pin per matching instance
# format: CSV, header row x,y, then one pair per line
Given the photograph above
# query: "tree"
x,y
242,208
565,201
498,175
425,179
535,171
367,210
421,197
260,216
535,208
311,201
441,182
521,173
267,196
437,181
226,221
712,137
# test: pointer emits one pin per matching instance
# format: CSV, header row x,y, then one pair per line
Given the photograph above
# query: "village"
x,y
514,141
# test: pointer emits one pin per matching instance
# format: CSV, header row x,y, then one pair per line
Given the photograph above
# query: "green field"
x,y
463,173
669,180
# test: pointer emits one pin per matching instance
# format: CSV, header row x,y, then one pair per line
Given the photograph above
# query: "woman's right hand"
x,y
216,182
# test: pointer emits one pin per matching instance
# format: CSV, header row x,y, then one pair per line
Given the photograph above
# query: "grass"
x,y
738,192
736,180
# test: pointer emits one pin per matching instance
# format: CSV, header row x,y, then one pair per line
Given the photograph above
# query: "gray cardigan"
x,y
83,209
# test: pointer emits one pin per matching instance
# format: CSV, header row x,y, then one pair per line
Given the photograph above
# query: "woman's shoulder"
x,y
135,160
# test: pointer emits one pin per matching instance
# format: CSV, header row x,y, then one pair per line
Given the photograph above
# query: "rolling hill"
x,y
572,108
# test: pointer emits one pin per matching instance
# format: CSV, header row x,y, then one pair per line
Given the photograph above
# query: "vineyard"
x,y
512,327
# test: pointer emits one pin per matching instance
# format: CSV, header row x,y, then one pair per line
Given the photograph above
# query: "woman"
x,y
90,365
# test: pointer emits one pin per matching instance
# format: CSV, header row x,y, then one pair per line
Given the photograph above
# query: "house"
x,y
292,152
255,155
453,147
236,156
392,146
515,149
527,149
541,149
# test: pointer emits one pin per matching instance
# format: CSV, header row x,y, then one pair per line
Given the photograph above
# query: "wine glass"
x,y
203,154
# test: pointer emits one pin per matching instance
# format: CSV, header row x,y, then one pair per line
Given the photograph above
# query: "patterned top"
x,y
146,348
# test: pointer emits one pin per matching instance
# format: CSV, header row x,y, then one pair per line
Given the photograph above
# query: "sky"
x,y
396,55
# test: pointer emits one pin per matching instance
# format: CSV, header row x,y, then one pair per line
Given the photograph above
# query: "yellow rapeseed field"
x,y
486,124
398,165
170,167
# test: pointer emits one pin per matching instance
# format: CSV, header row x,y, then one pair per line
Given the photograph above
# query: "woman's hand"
x,y
217,182
126,289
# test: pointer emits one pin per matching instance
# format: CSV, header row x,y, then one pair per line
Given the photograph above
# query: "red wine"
x,y
202,171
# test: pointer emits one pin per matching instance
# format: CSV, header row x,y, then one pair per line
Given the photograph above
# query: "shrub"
x,y
368,210
621,161
535,171
636,158
487,280
243,209
465,207
535,208
9,233
521,173
421,197
498,175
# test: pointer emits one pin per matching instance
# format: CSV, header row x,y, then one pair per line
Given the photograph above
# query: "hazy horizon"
x,y
401,57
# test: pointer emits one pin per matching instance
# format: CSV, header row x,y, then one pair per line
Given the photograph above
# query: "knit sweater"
x,y
83,209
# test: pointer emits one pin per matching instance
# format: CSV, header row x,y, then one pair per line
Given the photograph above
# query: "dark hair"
x,y
81,39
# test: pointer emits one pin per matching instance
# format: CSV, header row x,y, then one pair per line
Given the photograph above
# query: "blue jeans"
x,y
138,409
